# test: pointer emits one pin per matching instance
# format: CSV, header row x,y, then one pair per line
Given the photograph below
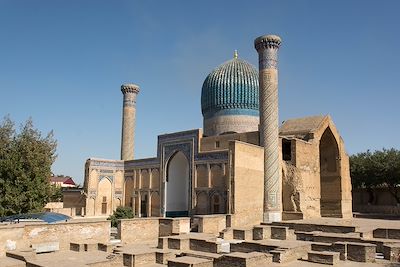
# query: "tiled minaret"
x,y
267,47
130,92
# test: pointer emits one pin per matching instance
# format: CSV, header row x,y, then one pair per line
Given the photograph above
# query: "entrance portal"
x,y
177,186
331,193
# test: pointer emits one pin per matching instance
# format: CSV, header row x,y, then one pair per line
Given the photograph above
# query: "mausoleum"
x,y
242,163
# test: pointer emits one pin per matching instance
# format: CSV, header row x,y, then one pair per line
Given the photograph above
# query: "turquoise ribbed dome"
x,y
231,89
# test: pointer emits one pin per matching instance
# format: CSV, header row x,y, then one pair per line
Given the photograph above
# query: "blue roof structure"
x,y
49,217
231,89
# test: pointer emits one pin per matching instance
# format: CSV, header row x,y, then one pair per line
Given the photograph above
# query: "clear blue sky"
x,y
62,63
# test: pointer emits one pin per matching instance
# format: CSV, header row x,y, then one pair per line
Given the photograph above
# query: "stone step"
x,y
361,252
334,247
324,257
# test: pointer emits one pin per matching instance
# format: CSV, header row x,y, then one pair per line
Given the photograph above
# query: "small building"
x,y
62,181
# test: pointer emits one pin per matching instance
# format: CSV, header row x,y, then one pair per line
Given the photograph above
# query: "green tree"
x,y
25,167
380,168
56,193
121,213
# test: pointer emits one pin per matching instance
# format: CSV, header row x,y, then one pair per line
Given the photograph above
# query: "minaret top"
x,y
130,88
235,54
267,41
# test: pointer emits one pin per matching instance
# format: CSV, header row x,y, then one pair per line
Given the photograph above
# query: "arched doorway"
x,y
330,182
177,186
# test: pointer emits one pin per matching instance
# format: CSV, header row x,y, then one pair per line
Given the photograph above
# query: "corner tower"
x,y
267,47
229,98
130,92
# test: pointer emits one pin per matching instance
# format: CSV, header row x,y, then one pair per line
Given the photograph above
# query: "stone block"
x,y
380,233
178,242
211,224
240,259
106,247
80,247
46,247
139,258
138,230
283,255
187,261
361,252
174,226
163,242
290,253
394,233
261,232
10,262
24,255
226,234
181,226
243,234
163,256
282,233
324,257
250,246
204,245
391,252
165,227
335,247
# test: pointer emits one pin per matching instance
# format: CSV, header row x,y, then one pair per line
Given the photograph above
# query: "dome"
x,y
230,90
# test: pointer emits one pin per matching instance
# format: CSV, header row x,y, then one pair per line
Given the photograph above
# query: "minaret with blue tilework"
x,y
267,47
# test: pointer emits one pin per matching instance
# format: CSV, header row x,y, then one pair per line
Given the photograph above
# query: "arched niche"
x,y
202,203
330,180
155,179
155,204
217,204
177,186
202,175
145,179
104,197
217,176
144,202
129,187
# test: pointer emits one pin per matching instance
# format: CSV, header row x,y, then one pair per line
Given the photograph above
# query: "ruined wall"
x,y
342,173
247,181
22,236
306,159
